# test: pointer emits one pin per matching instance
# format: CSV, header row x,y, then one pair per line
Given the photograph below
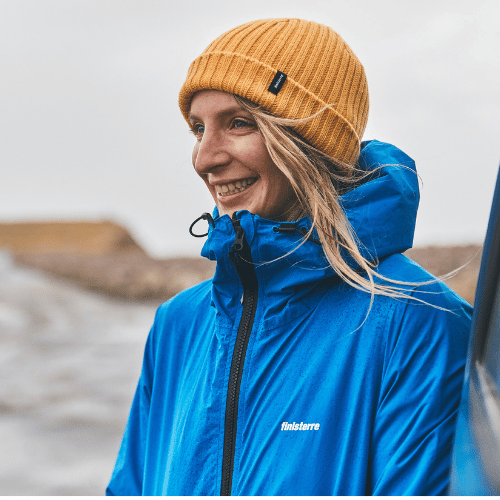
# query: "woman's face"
x,y
232,159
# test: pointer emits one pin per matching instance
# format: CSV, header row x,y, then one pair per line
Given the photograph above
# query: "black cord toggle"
x,y
206,216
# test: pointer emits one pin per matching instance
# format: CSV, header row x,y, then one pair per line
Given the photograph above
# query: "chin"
x,y
231,211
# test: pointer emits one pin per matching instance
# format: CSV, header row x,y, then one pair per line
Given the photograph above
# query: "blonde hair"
x,y
318,181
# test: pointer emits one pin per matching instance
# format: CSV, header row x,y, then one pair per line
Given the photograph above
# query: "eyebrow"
x,y
222,114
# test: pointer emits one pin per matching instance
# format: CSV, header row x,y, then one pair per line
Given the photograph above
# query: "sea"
x,y
69,363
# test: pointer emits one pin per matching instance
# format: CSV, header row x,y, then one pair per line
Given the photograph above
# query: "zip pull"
x,y
241,257
240,236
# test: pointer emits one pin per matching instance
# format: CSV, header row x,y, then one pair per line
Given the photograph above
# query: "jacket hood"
x,y
382,211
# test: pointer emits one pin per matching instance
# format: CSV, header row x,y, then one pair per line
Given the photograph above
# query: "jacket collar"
x,y
382,212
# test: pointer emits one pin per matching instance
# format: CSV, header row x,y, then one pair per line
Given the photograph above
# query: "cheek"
x,y
277,179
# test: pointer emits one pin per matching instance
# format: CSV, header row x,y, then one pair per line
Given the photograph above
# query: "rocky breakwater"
x,y
102,257
458,266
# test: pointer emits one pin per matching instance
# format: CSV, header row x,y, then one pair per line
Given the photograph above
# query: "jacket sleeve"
x,y
127,477
421,386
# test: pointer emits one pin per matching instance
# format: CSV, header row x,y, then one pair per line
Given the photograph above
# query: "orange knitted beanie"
x,y
292,68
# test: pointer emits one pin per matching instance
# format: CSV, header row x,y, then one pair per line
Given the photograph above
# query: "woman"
x,y
319,360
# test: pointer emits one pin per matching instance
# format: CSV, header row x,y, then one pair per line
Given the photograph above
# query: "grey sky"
x,y
89,124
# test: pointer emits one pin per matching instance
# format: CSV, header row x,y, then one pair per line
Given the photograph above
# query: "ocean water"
x,y
69,363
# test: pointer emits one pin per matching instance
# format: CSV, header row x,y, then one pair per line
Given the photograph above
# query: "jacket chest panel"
x,y
297,413
295,401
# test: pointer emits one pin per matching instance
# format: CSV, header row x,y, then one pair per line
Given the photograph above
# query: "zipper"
x,y
241,258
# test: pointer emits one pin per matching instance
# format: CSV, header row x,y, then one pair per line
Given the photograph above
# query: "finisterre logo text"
x,y
285,426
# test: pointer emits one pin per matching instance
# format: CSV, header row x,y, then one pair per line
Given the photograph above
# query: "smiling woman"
x,y
313,314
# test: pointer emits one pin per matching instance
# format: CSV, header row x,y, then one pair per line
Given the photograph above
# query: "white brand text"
x,y
295,426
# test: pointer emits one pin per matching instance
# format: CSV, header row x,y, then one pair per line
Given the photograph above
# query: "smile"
x,y
234,187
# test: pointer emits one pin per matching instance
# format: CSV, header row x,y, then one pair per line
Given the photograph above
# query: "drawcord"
x,y
285,227
206,216
292,227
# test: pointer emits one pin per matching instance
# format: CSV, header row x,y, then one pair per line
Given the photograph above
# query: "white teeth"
x,y
233,187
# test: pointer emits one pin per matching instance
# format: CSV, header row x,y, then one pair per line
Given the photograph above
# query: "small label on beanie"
x,y
277,83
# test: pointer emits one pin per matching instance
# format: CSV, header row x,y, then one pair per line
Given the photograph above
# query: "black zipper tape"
x,y
241,256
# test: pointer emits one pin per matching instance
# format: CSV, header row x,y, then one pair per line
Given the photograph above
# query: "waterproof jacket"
x,y
273,379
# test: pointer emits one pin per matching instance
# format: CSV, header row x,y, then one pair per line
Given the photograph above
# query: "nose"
x,y
210,152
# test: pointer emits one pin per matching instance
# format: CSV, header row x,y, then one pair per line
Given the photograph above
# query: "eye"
x,y
238,123
197,129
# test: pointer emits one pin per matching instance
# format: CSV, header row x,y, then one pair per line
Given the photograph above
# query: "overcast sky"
x,y
90,128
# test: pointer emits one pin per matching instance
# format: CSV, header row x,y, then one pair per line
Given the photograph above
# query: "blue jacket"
x,y
301,393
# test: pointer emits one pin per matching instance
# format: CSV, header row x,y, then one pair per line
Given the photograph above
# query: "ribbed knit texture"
x,y
321,71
